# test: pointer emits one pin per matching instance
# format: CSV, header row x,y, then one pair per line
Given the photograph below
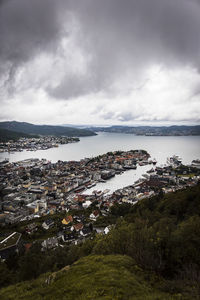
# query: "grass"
x,y
111,277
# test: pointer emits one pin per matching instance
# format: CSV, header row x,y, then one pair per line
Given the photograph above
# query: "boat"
x,y
146,176
142,163
5,161
174,160
151,170
106,191
126,167
118,172
140,180
102,180
97,193
91,185
80,189
196,163
154,161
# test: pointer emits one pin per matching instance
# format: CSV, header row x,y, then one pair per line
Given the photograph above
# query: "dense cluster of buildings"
x,y
34,144
38,187
34,188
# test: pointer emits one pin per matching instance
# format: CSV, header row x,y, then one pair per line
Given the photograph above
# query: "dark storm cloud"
x,y
122,37
27,28
130,35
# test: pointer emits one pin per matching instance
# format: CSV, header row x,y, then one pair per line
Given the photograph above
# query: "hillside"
x,y
93,277
29,128
151,252
152,131
7,135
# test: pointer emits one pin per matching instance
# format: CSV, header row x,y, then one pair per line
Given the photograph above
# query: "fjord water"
x,y
159,147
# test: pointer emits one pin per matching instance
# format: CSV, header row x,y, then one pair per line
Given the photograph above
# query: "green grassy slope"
x,y
94,277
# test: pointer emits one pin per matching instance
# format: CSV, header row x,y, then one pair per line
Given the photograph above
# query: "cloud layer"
x,y
105,62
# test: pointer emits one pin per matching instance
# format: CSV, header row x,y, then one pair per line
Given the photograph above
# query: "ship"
x,y
143,163
154,161
146,176
175,160
196,163
5,161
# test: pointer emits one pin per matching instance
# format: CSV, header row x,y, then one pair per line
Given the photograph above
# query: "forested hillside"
x,y
154,247
7,135
29,128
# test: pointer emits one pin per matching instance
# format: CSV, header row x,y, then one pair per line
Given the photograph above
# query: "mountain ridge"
x,y
29,128
174,130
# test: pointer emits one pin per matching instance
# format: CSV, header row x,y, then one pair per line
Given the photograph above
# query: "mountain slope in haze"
x,y
29,128
92,277
152,130
7,135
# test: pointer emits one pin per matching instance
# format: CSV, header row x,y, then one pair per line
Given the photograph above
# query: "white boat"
x,y
106,191
91,185
146,176
196,163
175,160
154,161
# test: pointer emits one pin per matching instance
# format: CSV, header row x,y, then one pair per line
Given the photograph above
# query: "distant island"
x,y
15,130
151,130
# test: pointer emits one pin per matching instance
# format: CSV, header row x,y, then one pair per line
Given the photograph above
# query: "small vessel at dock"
x,y
154,161
196,163
174,160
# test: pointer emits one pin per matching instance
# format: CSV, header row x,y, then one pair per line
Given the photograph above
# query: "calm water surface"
x,y
188,148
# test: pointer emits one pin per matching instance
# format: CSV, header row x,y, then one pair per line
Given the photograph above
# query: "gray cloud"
x,y
117,40
127,36
27,28
120,35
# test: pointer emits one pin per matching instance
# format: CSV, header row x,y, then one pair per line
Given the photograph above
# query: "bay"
x,y
159,147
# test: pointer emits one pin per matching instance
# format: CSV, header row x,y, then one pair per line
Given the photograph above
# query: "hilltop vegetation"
x,y
28,128
7,135
92,277
152,252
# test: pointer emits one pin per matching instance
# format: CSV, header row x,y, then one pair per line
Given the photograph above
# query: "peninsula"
x,y
19,136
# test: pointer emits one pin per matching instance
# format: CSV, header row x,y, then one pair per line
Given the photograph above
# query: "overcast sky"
x,y
100,61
